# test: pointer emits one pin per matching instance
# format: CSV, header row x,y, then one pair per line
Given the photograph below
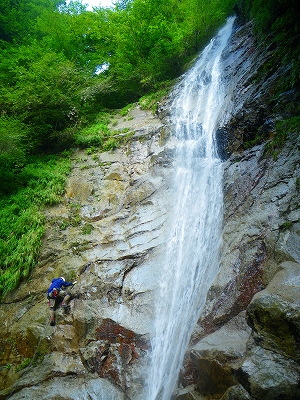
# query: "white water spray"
x,y
191,261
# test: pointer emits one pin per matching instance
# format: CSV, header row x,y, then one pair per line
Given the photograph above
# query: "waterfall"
x,y
191,258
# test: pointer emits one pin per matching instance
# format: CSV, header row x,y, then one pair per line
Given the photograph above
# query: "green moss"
x,y
23,364
110,144
284,128
71,276
150,100
286,225
87,229
251,143
85,166
277,22
289,125
125,110
92,149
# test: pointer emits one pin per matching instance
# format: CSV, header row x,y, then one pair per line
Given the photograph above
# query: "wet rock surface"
x,y
259,262
215,355
107,234
259,273
269,375
252,101
274,313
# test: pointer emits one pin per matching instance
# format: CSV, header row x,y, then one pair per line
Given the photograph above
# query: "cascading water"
x,y
191,261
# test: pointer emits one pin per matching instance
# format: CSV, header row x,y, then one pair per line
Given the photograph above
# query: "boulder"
x,y
267,375
236,392
87,388
188,393
215,355
274,313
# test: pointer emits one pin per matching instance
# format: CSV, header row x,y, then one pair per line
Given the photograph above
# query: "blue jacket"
x,y
58,283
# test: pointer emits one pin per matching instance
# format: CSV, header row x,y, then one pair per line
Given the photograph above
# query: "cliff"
x,y
107,235
245,345
109,232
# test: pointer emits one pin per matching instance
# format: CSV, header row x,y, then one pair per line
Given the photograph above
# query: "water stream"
x,y
191,257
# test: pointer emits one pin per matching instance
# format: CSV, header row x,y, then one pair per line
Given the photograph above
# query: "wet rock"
x,y
113,349
274,313
269,376
188,393
251,89
236,393
261,219
214,357
261,223
88,388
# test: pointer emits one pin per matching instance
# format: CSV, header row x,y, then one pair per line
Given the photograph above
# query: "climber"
x,y
56,295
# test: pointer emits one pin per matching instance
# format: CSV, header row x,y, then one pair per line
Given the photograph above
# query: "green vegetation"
x,y
149,101
23,364
286,225
87,229
125,110
278,22
284,128
22,225
51,55
34,361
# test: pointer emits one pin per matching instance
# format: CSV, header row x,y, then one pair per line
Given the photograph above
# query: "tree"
x,y
18,18
44,94
12,152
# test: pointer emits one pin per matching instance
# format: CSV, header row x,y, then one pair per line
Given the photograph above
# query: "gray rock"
x,y
269,376
274,313
188,393
88,388
108,234
260,230
236,393
214,356
261,222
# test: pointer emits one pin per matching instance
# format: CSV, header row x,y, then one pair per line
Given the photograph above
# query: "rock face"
x,y
258,281
108,234
273,313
